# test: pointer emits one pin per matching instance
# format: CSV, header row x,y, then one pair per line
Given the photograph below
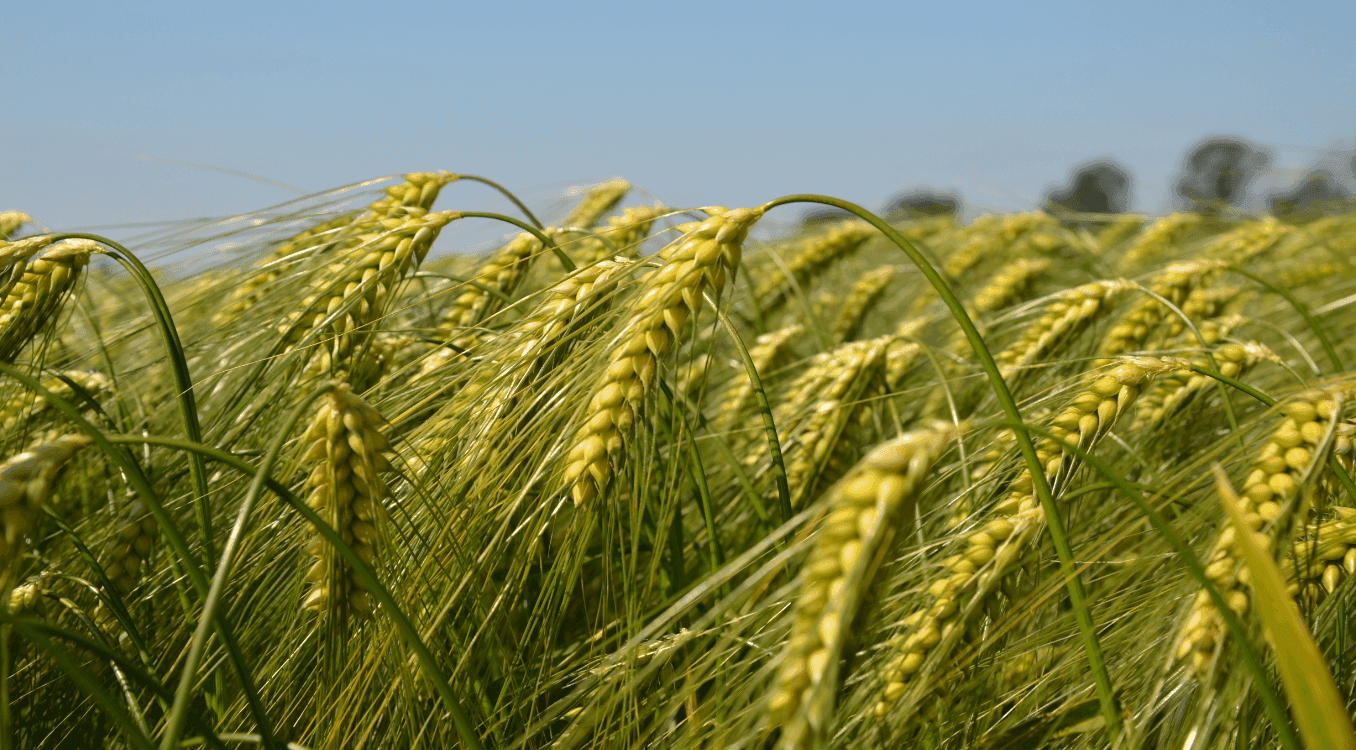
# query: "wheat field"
x,y
633,479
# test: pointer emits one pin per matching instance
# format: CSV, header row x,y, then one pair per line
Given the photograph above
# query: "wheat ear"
x,y
992,552
418,191
25,599
860,300
1200,306
810,437
1293,452
809,256
1323,555
990,238
1179,388
1009,285
1248,241
621,236
10,221
25,482
701,260
1156,238
353,293
1137,328
540,342
864,512
35,299
347,455
24,406
1117,230
597,201
1070,312
505,269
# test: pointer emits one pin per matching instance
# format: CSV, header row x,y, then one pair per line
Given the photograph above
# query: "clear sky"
x,y
698,103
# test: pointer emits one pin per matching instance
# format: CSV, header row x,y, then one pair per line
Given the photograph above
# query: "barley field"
x,y
633,479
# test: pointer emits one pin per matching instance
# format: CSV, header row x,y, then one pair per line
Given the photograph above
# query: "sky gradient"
x,y
699,104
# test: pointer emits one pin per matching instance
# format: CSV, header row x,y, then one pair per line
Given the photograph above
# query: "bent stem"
x,y
504,192
174,352
1040,485
539,234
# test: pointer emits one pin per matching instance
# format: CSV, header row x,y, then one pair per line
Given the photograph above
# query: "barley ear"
x,y
1268,498
25,482
10,221
864,512
346,452
599,200
35,299
702,259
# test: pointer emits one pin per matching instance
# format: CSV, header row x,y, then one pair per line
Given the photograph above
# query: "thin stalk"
x,y
769,426
1096,662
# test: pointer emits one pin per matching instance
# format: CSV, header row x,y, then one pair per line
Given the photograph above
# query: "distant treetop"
x,y
1096,187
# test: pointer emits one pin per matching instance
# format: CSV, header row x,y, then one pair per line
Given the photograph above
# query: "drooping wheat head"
x,y
1291,459
1157,238
1116,231
992,552
1141,327
335,235
352,295
34,301
25,483
24,409
808,257
702,259
521,357
1179,388
990,236
863,513
621,237
1010,285
1247,241
10,221
860,299
845,385
346,453
597,201
1065,317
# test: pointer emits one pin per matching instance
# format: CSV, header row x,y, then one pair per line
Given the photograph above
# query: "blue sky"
x,y
700,104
